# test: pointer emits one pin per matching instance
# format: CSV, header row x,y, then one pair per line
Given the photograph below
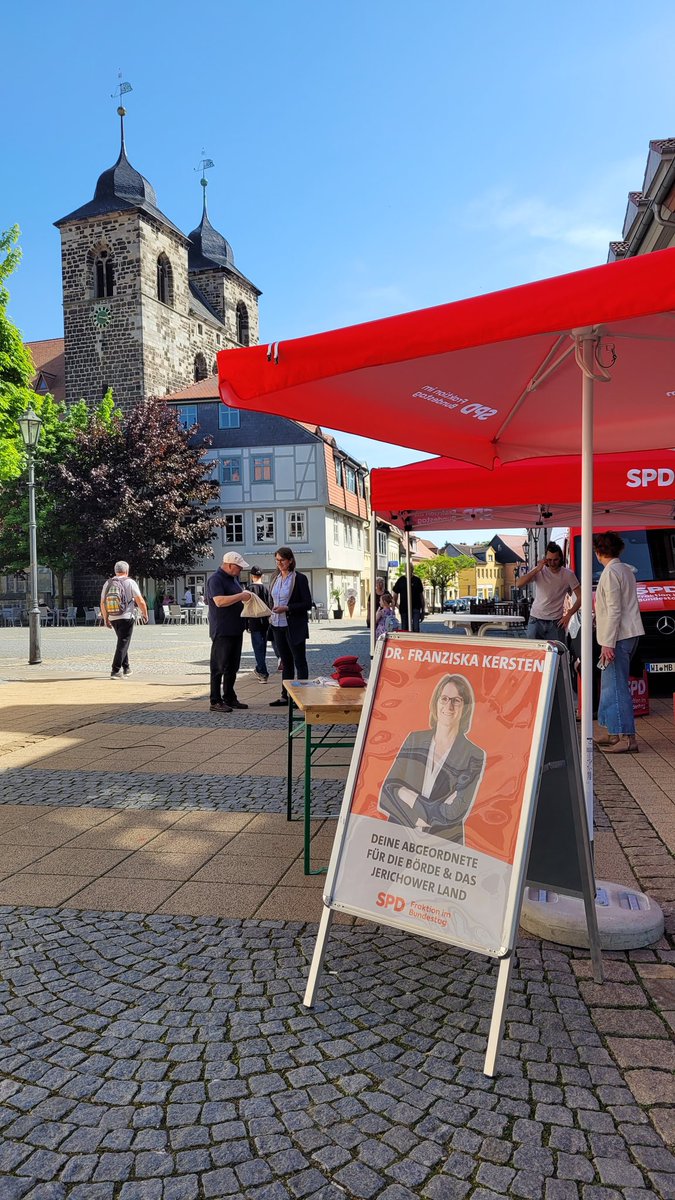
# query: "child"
x,y
385,617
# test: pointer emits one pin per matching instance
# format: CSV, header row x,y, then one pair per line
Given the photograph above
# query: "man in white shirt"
x,y
120,597
552,584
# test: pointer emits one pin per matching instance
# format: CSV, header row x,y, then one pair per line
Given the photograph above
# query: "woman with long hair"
x,y
290,627
618,626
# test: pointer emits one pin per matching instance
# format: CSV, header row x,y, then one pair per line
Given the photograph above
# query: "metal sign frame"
x,y
552,689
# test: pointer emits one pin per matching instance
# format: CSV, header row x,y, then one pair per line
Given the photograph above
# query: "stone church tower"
x,y
145,308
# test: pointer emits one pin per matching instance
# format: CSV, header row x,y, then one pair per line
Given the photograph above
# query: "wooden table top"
x,y
322,704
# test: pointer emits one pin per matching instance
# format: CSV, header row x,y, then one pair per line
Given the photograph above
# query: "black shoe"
x,y
234,703
280,703
224,708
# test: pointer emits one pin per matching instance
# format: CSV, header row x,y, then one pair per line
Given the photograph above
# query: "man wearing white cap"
x,y
225,597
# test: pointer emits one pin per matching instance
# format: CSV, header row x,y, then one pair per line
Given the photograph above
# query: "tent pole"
x,y
587,665
408,574
373,576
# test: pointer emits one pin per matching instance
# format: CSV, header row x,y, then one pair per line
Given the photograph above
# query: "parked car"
x,y
461,604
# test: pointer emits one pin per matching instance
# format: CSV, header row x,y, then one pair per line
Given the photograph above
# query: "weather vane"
x,y
121,90
204,165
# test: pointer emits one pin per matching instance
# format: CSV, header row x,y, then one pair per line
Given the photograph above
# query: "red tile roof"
x,y
49,359
203,389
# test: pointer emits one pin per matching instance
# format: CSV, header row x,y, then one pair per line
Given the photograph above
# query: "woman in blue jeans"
x,y
619,626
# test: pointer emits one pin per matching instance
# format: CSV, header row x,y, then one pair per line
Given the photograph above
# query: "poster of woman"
x,y
443,785
435,777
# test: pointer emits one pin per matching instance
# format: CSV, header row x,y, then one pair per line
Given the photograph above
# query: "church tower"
x,y
125,292
214,277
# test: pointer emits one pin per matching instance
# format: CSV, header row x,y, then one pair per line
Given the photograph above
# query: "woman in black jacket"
x,y
290,627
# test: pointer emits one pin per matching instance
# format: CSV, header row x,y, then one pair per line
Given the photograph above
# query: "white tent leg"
x,y
408,577
587,664
373,576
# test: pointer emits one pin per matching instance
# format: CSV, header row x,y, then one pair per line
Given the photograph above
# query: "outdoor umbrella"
x,y
500,377
629,490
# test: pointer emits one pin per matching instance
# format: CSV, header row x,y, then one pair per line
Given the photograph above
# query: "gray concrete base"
x,y
627,918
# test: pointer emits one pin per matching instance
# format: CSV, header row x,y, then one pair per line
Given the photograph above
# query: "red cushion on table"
x,y
346,658
352,681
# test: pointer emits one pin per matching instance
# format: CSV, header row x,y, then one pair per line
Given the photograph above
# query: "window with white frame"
x,y
187,415
381,544
358,537
261,468
349,533
233,529
296,525
362,486
264,527
336,529
228,418
338,471
230,470
350,477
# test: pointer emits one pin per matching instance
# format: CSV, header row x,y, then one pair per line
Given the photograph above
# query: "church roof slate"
x,y
208,249
121,188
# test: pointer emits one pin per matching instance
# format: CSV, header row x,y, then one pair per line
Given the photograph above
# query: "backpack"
x,y
117,597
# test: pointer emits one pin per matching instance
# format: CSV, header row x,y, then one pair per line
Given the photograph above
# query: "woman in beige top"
x,y
619,626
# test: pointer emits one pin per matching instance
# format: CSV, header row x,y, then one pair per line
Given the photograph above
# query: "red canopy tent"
x,y
630,491
494,378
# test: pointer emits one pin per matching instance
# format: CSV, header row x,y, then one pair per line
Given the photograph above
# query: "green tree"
x,y
442,570
16,366
139,488
55,536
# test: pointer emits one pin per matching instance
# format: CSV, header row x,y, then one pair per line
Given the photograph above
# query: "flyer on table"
x,y
438,797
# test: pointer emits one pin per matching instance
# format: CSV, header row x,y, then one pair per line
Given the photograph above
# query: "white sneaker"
x,y
260,677
128,671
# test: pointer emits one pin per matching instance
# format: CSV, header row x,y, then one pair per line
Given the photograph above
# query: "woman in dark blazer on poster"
x,y
290,627
434,779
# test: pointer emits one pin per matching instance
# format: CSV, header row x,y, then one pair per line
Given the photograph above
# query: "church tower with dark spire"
x,y
212,271
146,309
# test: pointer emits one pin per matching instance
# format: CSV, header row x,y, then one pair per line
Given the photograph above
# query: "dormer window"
x,y
243,335
104,276
164,280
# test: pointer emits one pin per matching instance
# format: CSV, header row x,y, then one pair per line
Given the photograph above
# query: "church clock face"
x,y
101,315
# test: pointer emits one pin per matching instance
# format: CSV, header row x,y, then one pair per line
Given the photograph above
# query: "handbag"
x,y
255,607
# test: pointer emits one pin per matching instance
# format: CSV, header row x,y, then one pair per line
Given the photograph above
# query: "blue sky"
x,y
370,157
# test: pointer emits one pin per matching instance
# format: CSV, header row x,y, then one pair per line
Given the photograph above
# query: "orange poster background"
x,y
502,725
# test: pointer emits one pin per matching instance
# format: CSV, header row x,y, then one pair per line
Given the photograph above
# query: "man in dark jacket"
x,y
226,627
258,627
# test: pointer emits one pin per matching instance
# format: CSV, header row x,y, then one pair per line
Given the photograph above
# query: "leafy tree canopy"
x,y
139,489
16,366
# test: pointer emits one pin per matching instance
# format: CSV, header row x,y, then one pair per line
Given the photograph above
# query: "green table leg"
x,y
308,795
289,764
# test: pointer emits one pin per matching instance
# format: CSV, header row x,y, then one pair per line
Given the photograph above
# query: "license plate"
x,y
660,667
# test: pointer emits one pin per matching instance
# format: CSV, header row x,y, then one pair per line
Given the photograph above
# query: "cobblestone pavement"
x,y
162,1057
172,1058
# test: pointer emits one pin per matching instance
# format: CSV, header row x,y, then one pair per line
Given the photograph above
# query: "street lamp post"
x,y
30,426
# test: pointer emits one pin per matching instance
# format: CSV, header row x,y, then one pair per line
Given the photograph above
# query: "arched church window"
x,y
201,369
104,275
243,335
214,367
164,280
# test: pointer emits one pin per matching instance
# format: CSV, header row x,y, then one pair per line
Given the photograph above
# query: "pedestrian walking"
x,y
120,598
400,591
225,597
258,627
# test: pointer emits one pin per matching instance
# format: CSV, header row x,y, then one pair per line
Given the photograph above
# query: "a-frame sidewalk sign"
x,y
465,788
